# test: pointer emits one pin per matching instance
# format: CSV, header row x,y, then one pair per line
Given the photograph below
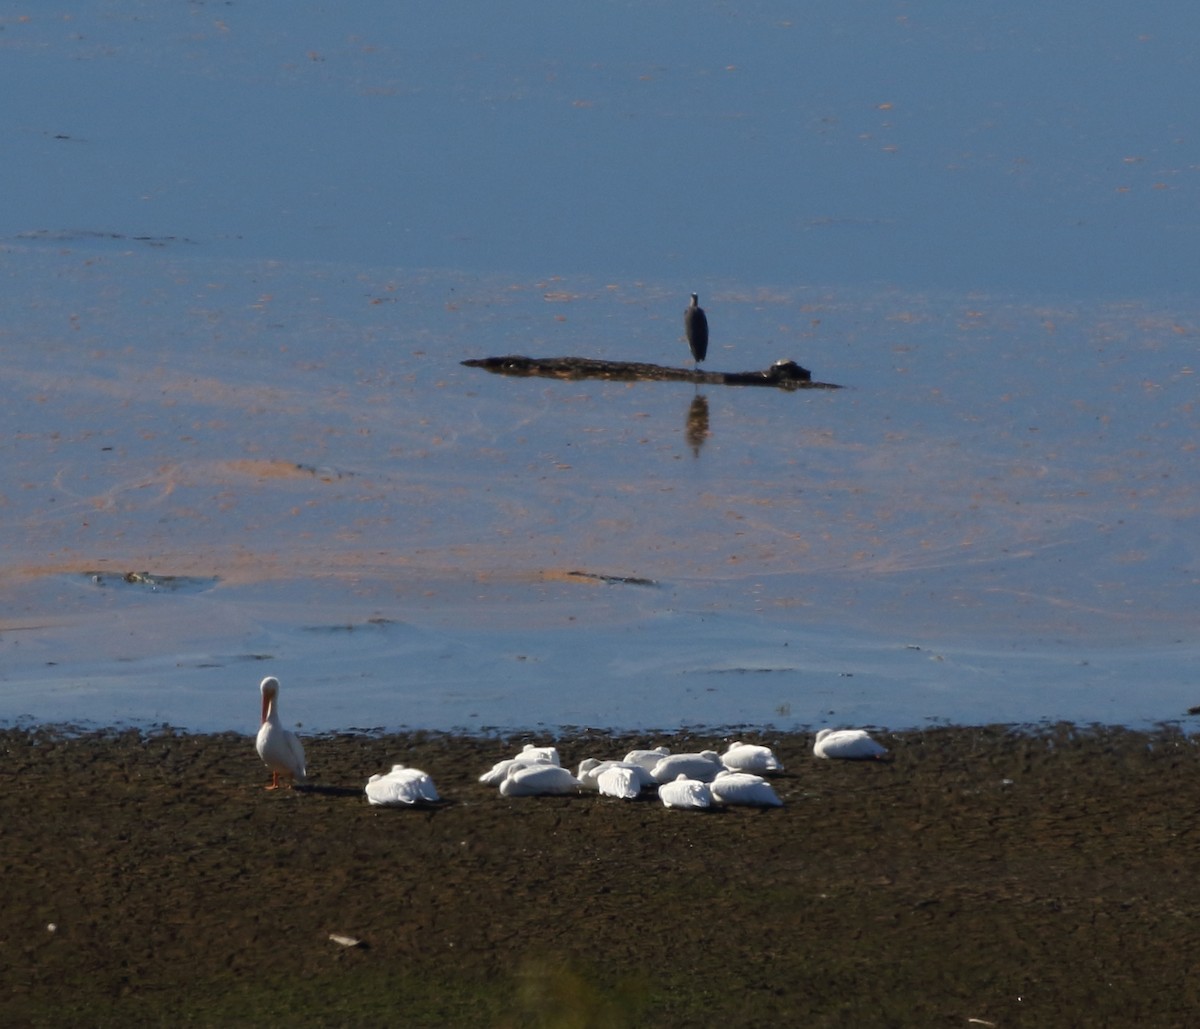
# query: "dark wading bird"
x,y
695,324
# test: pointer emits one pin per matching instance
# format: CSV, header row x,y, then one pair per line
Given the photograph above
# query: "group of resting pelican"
x,y
692,781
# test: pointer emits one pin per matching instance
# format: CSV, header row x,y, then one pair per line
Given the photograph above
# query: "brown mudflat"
x,y
982,876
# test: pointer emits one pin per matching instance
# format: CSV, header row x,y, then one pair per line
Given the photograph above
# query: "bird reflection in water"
x,y
696,429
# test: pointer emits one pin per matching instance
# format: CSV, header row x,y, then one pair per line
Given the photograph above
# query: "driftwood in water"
x,y
782,374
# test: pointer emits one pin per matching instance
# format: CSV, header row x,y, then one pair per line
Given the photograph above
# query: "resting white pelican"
x,y
750,757
686,793
499,771
279,748
591,769
852,744
703,766
402,787
744,788
531,753
622,781
647,758
538,780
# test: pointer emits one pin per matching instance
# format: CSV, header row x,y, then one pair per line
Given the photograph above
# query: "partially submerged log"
x,y
782,374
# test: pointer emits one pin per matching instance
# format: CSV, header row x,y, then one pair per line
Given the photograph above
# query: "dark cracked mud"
x,y
984,876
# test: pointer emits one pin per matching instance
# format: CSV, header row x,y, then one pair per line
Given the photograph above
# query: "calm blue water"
x,y
246,248
996,146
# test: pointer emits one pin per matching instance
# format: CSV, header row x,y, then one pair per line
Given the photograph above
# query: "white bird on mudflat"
x,y
625,782
647,758
686,793
499,771
538,780
531,753
851,744
745,789
592,769
703,766
279,748
402,787
750,757
589,768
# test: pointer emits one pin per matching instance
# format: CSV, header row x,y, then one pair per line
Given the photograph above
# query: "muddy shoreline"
x,y
1018,877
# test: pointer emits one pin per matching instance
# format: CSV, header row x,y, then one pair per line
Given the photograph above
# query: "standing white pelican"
x,y
744,788
279,748
750,757
686,793
851,744
402,787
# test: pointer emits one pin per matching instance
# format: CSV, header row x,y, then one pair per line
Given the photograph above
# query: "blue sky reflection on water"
x,y
247,246
997,147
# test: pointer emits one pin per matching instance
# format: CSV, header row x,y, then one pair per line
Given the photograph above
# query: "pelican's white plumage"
x,y
538,780
402,787
703,766
622,781
591,769
851,744
750,757
530,753
280,748
499,771
686,793
647,758
744,788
